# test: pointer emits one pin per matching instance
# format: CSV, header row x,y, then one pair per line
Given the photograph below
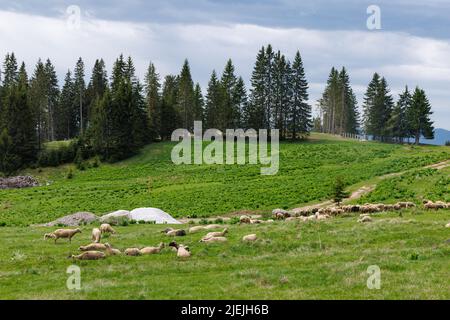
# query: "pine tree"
x,y
227,106
153,101
240,98
255,112
199,104
213,103
300,113
169,117
96,88
52,98
418,116
80,95
398,124
185,97
19,122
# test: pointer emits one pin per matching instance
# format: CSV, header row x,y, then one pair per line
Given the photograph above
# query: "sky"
x,y
411,48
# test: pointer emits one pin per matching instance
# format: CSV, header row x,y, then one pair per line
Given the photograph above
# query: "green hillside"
x,y
307,173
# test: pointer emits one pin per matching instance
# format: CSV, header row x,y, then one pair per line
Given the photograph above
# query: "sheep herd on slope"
x,y
97,250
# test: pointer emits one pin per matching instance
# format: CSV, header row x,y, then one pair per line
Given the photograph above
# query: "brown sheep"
x,y
62,233
175,232
96,235
182,251
133,252
93,247
152,250
106,228
111,251
90,255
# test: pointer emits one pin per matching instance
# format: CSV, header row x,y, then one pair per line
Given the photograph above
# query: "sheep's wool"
x,y
152,214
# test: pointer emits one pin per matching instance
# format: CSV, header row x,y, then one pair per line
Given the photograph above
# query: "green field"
x,y
307,174
291,260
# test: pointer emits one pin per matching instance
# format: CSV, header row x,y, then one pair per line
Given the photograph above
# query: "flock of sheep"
x,y
97,250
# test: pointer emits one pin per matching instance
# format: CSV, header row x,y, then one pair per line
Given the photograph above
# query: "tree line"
x,y
113,116
382,118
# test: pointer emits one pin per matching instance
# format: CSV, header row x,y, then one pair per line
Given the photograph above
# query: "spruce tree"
x,y
240,98
52,98
300,113
418,116
398,124
80,95
39,101
66,114
185,97
213,103
96,88
169,117
199,104
227,107
255,112
153,101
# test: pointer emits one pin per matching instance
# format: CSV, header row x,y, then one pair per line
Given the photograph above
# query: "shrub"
x,y
69,174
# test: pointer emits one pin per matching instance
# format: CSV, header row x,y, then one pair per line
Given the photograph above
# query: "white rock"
x,y
152,214
116,216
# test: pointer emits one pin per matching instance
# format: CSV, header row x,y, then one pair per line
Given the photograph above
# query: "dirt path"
x,y
369,188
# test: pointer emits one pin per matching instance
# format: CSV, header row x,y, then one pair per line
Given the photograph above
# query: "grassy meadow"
x,y
306,175
290,260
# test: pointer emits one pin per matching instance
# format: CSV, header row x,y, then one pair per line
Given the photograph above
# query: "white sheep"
x,y
216,234
96,235
244,219
364,219
106,228
110,251
133,252
152,250
250,237
212,226
214,239
447,225
90,255
196,229
62,233
93,247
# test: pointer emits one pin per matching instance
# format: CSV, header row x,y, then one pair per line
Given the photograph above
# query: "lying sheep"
x,y
89,255
447,225
96,235
93,247
255,221
106,228
110,251
182,251
175,232
133,252
250,237
244,219
62,233
216,234
152,250
214,239
196,229
365,219
280,214
212,226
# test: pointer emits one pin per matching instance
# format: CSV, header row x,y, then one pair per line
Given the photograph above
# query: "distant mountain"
x,y
440,137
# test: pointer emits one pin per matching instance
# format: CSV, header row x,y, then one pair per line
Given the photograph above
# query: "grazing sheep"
x,y
62,233
214,239
244,219
364,219
250,237
133,252
96,235
89,255
280,214
406,204
212,226
110,251
430,205
106,228
196,229
152,250
93,247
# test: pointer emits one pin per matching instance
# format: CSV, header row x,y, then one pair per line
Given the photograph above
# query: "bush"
x,y
69,174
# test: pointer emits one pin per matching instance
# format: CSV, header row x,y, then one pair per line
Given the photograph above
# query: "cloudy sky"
x,y
412,47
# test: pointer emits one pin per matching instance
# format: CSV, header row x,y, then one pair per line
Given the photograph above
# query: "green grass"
x,y
307,174
292,260
416,186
